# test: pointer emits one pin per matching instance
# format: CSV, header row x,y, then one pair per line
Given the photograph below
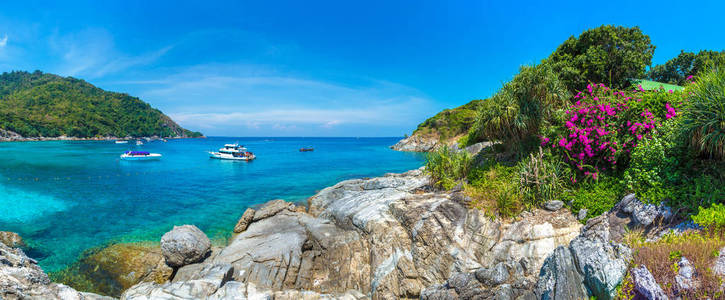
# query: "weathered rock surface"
x,y
417,143
22,278
244,221
386,238
11,239
271,208
559,279
598,261
184,245
645,284
685,277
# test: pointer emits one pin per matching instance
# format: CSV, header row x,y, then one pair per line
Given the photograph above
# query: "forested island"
x,y
45,105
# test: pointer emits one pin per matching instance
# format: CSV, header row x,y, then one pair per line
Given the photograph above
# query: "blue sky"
x,y
319,68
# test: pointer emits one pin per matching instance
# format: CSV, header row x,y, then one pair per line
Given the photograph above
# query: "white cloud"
x,y
222,99
4,41
92,53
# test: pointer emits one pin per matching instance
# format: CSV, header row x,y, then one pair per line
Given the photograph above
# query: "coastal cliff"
x,y
446,128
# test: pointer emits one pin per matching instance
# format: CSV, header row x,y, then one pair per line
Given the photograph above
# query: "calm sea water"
x,y
66,197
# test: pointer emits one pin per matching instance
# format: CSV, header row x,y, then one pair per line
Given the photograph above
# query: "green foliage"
x,y
653,168
704,116
678,69
596,196
447,167
40,104
712,218
451,122
494,188
542,177
606,54
515,114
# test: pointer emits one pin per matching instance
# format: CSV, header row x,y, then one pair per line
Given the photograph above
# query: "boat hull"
x,y
224,156
152,156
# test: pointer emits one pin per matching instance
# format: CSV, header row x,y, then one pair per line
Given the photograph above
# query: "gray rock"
x,y
719,267
22,278
184,245
554,205
643,214
493,276
417,143
271,208
602,263
582,214
645,285
559,278
685,277
244,221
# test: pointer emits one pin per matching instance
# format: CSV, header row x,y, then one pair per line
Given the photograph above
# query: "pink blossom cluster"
x,y
597,132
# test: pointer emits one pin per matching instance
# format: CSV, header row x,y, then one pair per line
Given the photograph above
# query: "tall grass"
x,y
447,166
542,178
704,115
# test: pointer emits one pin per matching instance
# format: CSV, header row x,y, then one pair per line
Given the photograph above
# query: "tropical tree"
x,y
607,54
704,114
686,64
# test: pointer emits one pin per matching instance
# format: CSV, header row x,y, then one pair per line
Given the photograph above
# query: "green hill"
x,y
41,104
450,123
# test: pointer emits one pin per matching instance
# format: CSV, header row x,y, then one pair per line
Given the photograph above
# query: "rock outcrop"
x,y
244,221
596,261
184,245
11,239
22,278
385,238
417,143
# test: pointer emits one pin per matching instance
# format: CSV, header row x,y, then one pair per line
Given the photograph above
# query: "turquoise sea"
x,y
65,197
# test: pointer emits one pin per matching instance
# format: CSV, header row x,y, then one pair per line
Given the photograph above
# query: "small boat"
x,y
307,149
121,142
233,152
140,155
139,143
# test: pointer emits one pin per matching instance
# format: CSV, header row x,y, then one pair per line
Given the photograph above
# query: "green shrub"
x,y
712,218
704,114
447,167
597,197
542,177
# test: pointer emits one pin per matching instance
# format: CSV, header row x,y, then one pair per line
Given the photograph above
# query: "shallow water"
x,y
65,197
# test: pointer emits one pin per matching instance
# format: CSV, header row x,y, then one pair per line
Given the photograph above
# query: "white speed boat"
x,y
233,152
121,142
139,143
140,155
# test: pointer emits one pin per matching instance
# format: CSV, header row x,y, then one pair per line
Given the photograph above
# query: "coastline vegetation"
x,y
577,128
574,128
45,105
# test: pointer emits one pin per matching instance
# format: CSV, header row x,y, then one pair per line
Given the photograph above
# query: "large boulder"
x,y
559,278
602,262
184,245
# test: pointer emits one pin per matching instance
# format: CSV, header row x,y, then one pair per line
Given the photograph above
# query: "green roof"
x,y
649,85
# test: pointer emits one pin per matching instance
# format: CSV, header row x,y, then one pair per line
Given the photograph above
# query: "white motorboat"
x,y
233,152
121,142
140,155
139,143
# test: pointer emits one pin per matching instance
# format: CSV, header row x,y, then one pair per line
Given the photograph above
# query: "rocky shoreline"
x,y
9,136
390,237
